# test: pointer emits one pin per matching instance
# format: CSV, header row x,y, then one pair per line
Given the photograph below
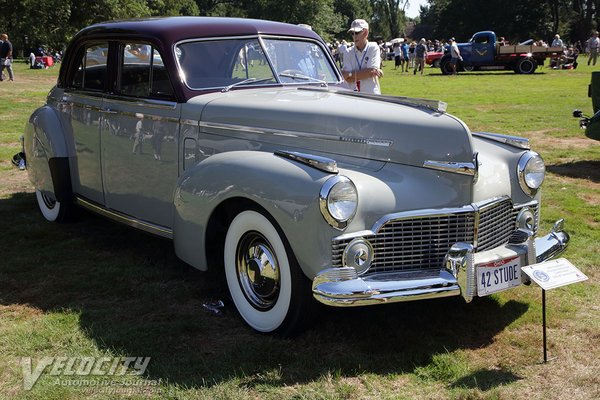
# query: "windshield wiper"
x,y
244,82
303,77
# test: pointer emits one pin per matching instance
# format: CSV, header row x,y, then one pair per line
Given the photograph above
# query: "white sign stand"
x,y
550,275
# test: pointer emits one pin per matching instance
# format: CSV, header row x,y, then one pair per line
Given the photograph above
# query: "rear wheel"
x,y
269,291
51,209
526,66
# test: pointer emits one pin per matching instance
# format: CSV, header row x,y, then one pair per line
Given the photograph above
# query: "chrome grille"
x,y
421,242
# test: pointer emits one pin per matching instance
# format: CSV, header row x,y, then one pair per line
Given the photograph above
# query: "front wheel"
x,y
446,66
265,283
51,209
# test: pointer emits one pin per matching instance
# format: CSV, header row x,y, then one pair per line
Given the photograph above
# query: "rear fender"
x,y
209,195
47,154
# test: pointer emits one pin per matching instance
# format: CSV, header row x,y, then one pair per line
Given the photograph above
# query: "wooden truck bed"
x,y
522,49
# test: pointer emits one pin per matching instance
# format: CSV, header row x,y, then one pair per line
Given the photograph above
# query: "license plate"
x,y
498,275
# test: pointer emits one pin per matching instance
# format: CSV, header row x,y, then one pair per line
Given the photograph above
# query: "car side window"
x,y
91,71
142,72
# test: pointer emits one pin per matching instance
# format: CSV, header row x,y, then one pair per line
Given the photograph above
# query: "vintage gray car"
x,y
235,139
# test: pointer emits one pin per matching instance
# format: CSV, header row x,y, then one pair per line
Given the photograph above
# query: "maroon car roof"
x,y
172,29
165,31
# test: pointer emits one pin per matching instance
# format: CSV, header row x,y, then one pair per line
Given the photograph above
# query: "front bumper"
x,y
343,287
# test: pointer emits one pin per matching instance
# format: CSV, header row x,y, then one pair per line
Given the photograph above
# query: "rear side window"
x,y
142,72
91,71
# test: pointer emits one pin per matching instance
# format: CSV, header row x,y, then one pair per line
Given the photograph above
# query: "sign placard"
x,y
554,273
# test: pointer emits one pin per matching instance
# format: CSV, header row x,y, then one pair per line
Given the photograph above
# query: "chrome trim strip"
x,y
192,122
88,95
293,134
125,219
463,168
151,103
130,114
515,141
321,163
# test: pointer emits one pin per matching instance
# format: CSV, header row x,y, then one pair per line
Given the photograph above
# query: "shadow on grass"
x,y
589,170
485,379
135,298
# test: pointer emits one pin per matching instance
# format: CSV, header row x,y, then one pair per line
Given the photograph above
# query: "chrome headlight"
x,y
338,201
531,171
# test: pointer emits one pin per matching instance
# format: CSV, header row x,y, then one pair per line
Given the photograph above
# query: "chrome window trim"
x,y
294,134
125,219
515,141
258,38
142,102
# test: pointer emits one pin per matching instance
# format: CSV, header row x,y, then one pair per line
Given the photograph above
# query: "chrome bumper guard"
x,y
343,287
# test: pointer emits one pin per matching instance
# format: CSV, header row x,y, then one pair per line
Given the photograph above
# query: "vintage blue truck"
x,y
484,52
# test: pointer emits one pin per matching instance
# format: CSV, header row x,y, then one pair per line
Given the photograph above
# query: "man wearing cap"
x,y
455,56
361,62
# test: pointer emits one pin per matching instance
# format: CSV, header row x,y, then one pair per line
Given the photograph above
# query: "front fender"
x,y
287,190
47,153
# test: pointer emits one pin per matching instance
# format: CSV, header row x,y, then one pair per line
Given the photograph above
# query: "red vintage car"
x,y
433,58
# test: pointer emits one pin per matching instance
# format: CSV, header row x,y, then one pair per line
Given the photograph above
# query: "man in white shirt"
x,y
361,63
592,45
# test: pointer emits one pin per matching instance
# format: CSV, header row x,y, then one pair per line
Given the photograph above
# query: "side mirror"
x,y
577,114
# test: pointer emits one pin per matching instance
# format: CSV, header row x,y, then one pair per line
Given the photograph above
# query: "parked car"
x,y
264,168
433,58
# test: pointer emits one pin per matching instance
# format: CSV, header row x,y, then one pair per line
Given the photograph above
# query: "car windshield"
x,y
245,62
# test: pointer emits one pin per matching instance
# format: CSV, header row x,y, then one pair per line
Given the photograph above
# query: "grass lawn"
x,y
94,288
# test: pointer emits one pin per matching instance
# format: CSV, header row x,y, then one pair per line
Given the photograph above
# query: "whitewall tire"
x,y
261,275
51,209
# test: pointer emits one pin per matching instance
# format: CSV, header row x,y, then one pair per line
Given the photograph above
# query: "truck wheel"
x,y
526,66
52,210
445,66
264,280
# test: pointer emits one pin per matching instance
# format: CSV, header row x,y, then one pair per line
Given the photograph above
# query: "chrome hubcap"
x,y
48,201
258,271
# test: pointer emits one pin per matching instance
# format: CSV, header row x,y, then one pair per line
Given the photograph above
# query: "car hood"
x,y
330,123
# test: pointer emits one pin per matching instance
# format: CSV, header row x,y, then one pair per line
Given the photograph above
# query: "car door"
x,y
482,49
140,137
81,112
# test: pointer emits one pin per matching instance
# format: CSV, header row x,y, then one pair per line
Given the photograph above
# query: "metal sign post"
x,y
549,275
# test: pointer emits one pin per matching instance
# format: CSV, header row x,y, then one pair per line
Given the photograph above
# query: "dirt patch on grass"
x,y
543,138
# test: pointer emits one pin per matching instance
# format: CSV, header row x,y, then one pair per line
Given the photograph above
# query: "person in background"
x,y
361,64
6,57
455,56
397,56
420,52
557,42
404,49
592,45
